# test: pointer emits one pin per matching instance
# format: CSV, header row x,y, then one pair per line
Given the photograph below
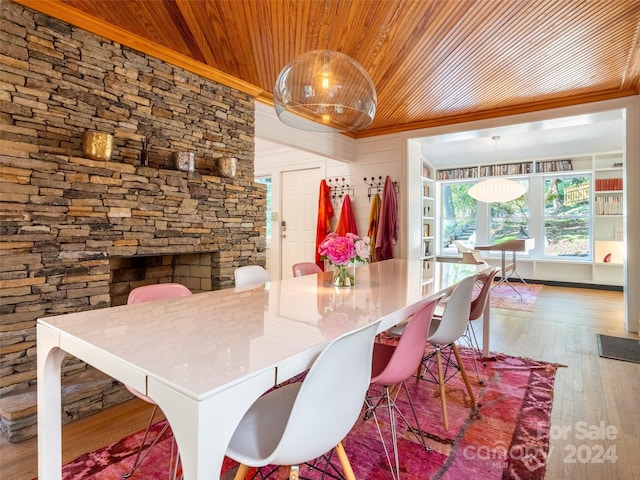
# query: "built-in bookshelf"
x,y
428,214
506,169
457,173
608,210
554,166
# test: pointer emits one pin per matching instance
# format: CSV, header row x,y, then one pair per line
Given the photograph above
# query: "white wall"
x,y
344,159
397,155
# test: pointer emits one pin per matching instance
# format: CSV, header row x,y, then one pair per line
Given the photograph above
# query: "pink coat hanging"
x,y
388,224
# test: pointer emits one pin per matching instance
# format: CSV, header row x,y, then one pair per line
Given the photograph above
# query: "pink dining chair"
x,y
478,306
392,365
305,268
149,293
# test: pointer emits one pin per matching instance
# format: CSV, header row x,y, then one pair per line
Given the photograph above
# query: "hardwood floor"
x,y
595,417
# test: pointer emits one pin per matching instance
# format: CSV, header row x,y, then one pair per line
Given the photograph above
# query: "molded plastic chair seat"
x,y
149,293
300,422
305,268
250,276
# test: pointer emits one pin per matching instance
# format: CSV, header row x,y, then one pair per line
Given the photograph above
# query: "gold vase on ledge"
x,y
226,166
97,145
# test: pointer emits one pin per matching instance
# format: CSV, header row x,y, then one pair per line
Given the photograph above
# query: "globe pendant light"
x,y
325,91
497,190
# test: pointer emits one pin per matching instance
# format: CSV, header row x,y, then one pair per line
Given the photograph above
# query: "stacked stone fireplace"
x,y
77,233
195,271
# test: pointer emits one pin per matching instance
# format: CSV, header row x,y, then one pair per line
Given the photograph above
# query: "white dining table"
x,y
207,357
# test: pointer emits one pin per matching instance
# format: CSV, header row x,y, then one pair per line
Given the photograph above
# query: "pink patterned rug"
x,y
506,297
506,436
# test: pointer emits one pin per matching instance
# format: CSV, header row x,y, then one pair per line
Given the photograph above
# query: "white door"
x,y
299,205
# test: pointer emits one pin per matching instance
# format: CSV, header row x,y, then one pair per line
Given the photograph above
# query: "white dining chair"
x,y
444,332
250,275
299,422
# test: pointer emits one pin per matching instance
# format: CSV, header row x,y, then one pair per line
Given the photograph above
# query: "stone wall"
x,y
63,216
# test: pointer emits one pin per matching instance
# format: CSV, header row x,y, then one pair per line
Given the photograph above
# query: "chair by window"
x,y
250,276
302,421
444,333
392,365
305,268
469,254
149,293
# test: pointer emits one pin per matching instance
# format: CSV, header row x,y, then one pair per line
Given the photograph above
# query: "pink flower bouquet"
x,y
341,251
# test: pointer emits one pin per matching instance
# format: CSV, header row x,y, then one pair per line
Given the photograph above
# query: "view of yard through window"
x,y
565,224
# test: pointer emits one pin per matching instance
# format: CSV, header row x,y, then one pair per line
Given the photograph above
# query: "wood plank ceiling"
x,y
433,62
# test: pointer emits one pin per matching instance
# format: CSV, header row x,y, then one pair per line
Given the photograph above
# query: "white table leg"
x,y
203,429
49,404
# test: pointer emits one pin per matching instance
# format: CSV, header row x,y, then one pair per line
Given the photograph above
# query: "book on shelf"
x,y
608,204
554,166
457,173
608,184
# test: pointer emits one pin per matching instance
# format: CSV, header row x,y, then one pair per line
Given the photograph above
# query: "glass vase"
x,y
343,277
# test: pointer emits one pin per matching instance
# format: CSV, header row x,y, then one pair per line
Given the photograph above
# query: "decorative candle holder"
x,y
185,161
97,145
226,167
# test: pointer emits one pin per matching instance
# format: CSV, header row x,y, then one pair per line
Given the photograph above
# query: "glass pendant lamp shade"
x,y
497,190
325,91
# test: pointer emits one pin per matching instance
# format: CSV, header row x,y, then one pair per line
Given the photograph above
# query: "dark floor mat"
x,y
619,348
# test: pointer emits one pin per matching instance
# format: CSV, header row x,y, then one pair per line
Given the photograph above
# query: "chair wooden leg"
x,y
443,394
241,473
463,372
344,462
294,472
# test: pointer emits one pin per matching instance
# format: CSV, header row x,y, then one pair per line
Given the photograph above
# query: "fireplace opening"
x,y
193,270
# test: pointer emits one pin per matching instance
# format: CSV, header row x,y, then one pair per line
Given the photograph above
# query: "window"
x,y
563,226
567,219
510,220
267,182
458,216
